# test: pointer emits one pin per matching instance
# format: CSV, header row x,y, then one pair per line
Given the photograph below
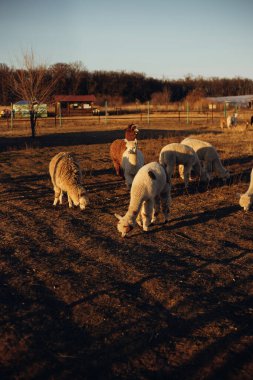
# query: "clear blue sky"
x,y
161,38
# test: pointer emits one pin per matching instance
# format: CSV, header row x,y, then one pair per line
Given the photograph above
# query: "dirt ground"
x,y
80,302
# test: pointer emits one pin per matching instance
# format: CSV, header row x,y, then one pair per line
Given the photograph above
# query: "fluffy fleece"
x,y
66,177
118,147
246,199
208,156
184,156
149,189
132,161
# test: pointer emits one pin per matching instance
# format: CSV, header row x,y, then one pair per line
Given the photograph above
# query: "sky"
x,y
163,39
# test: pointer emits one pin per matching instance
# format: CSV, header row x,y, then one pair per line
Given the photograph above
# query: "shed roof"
x,y
22,103
75,98
239,99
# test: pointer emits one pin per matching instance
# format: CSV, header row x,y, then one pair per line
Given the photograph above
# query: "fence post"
x,y
225,110
60,115
148,114
187,112
106,112
11,116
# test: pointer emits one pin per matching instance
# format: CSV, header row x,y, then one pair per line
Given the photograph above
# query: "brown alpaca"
x,y
118,147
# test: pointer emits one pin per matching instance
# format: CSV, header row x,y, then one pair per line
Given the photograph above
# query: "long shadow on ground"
x,y
88,138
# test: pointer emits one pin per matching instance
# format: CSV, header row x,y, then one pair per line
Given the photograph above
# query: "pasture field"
x,y
80,302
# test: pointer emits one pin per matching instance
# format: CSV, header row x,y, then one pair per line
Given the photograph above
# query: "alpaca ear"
x,y
151,174
118,216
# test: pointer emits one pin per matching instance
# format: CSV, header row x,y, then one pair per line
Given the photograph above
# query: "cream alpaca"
x,y
149,188
66,177
184,156
246,199
132,161
208,156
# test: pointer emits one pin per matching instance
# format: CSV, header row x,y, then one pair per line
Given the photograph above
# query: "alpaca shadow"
x,y
243,176
238,160
85,138
97,172
197,218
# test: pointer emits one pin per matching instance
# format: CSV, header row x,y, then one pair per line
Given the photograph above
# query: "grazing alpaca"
x,y
208,156
148,190
66,177
179,154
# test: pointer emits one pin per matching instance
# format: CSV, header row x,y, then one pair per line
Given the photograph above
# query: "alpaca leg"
x,y
207,167
57,195
181,171
128,180
147,210
70,201
61,195
169,172
139,219
117,167
156,210
165,202
187,171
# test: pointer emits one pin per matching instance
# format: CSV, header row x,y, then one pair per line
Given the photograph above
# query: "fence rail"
x,y
181,116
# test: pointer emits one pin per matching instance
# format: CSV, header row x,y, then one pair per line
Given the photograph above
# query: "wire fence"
x,y
113,118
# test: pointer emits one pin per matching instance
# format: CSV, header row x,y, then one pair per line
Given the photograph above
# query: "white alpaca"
x,y
66,177
232,121
226,122
208,156
246,199
132,161
149,188
184,156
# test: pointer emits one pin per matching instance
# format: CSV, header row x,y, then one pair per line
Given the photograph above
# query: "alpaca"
x,y
208,156
246,199
66,177
176,153
149,188
132,161
119,147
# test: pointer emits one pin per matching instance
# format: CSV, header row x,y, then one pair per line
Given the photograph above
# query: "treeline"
x,y
127,87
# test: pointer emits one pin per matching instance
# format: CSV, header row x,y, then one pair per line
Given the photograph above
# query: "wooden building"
x,y
74,105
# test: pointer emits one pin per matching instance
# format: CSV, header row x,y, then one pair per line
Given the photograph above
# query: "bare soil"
x,y
80,302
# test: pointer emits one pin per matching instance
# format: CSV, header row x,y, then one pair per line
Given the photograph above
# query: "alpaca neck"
x,y
133,158
132,152
219,168
250,189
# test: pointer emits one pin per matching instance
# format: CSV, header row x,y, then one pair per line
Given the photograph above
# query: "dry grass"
x,y
80,302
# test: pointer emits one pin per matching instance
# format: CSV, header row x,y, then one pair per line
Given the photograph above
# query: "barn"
x,y
244,101
74,105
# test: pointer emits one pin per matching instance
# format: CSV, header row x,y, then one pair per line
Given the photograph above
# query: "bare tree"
x,y
33,83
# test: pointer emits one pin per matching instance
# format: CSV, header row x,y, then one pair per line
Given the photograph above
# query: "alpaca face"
x,y
83,199
131,132
123,227
245,201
